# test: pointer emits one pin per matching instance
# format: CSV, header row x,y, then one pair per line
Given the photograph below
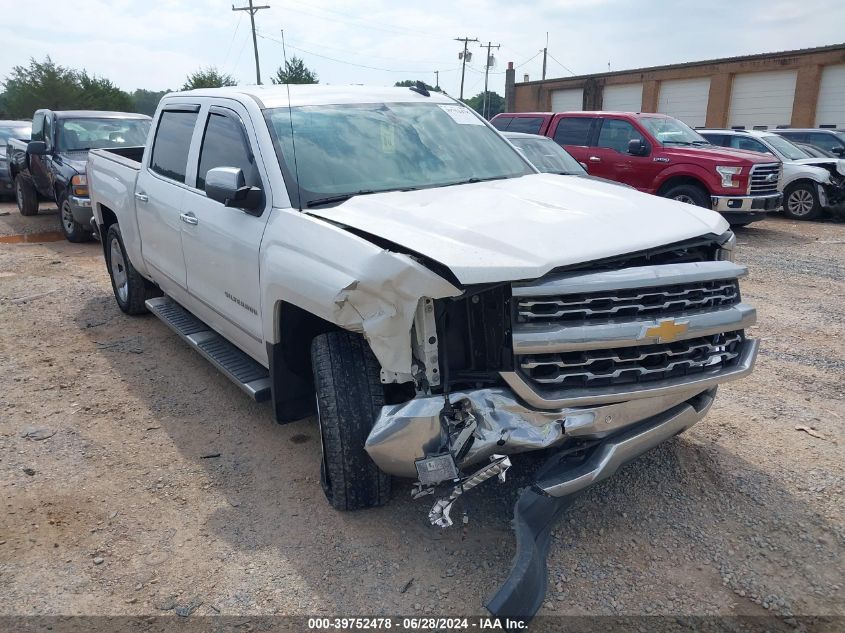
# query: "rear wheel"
x,y
349,397
25,196
131,290
690,194
801,202
73,230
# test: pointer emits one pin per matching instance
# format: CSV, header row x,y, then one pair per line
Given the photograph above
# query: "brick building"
x,y
801,88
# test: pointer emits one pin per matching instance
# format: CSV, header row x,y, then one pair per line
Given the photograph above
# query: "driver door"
x,y
221,244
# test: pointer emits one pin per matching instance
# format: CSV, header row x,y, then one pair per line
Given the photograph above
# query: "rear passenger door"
x,y
160,191
221,244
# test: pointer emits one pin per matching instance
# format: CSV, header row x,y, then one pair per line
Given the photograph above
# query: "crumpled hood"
x,y
837,163
521,228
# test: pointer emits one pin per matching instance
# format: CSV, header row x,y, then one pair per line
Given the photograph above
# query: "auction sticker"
x,y
461,115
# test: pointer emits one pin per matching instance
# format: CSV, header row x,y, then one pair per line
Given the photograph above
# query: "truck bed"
x,y
127,156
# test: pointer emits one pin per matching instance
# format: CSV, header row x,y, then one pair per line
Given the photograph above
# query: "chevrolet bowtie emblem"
x,y
666,331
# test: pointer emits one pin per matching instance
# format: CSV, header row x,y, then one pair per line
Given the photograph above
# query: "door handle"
x,y
595,159
189,218
141,197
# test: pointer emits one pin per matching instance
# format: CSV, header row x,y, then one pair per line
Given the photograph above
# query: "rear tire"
x,y
690,194
25,196
801,202
349,397
130,289
73,230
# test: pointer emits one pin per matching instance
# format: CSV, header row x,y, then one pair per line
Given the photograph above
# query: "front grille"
x,y
760,179
662,301
632,365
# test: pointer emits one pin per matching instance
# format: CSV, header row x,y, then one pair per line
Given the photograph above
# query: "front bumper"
x,y
743,209
81,209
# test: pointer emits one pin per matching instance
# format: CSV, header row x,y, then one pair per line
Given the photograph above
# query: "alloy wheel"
x,y
118,270
800,202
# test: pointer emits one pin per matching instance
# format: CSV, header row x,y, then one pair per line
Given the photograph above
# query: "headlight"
x,y
79,185
727,246
727,174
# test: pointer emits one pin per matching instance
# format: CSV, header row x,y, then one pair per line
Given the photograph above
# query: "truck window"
x,y
501,122
746,143
48,131
527,125
38,127
573,130
224,145
615,135
171,144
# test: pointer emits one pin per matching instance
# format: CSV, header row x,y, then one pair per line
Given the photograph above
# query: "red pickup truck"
x,y
659,154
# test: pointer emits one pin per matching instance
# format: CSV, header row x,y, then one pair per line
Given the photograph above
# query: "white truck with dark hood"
x,y
389,252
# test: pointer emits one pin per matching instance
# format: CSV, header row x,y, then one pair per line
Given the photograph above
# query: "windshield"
x,y
344,150
786,148
548,156
840,136
85,134
672,132
21,133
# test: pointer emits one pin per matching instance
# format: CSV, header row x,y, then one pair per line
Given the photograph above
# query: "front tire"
x,y
73,230
690,194
801,202
130,289
349,397
25,196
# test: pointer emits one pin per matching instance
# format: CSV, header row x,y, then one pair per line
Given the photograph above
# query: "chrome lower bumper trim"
x,y
728,204
551,339
620,449
557,399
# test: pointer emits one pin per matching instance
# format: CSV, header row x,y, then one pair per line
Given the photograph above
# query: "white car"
x,y
810,185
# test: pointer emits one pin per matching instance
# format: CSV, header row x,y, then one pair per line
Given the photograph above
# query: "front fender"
x,y
346,280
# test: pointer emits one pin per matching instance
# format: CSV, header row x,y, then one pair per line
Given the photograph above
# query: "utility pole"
x,y
437,79
545,52
463,57
486,73
252,11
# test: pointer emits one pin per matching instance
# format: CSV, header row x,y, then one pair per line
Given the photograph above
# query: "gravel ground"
x,y
138,480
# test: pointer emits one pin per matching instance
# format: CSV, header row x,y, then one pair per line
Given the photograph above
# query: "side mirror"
x,y
839,151
636,147
36,148
227,186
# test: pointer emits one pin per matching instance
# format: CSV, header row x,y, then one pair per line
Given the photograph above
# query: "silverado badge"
x,y
666,331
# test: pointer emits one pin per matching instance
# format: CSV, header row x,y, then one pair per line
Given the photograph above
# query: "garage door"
x,y
762,99
624,98
830,110
567,100
685,99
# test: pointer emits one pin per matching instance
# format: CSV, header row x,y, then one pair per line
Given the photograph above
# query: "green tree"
x,y
146,101
294,72
495,103
98,93
208,78
407,83
41,85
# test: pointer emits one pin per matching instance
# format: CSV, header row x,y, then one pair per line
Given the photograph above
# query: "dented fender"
x,y
346,280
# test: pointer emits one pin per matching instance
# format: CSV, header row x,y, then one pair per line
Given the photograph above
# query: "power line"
x,y
232,41
564,67
252,11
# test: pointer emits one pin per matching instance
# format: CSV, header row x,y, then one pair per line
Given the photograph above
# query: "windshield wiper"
x,y
341,197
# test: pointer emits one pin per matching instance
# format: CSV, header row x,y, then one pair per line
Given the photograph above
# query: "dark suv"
x,y
829,140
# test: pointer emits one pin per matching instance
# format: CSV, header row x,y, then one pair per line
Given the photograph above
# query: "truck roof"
x,y
94,114
276,96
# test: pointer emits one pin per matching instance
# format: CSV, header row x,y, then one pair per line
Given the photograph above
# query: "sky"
x,y
155,44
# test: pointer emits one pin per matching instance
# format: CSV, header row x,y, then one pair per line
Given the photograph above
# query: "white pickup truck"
x,y
391,252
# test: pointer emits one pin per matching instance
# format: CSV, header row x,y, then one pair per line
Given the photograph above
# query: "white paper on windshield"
x,y
460,114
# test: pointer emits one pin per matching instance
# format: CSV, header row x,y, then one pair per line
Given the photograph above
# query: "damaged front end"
x,y
592,367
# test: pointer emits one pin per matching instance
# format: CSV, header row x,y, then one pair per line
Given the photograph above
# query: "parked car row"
x,y
48,163
19,130
743,175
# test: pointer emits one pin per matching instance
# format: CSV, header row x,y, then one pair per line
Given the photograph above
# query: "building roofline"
x,y
707,62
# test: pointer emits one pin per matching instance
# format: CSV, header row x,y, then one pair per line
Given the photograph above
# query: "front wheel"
x,y
25,196
690,194
349,397
73,230
131,290
801,202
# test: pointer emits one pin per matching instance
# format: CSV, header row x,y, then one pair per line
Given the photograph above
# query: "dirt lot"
x,y
136,479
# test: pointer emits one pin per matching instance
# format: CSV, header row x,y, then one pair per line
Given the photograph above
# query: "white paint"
x,y
522,228
831,104
762,99
569,100
685,99
624,98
